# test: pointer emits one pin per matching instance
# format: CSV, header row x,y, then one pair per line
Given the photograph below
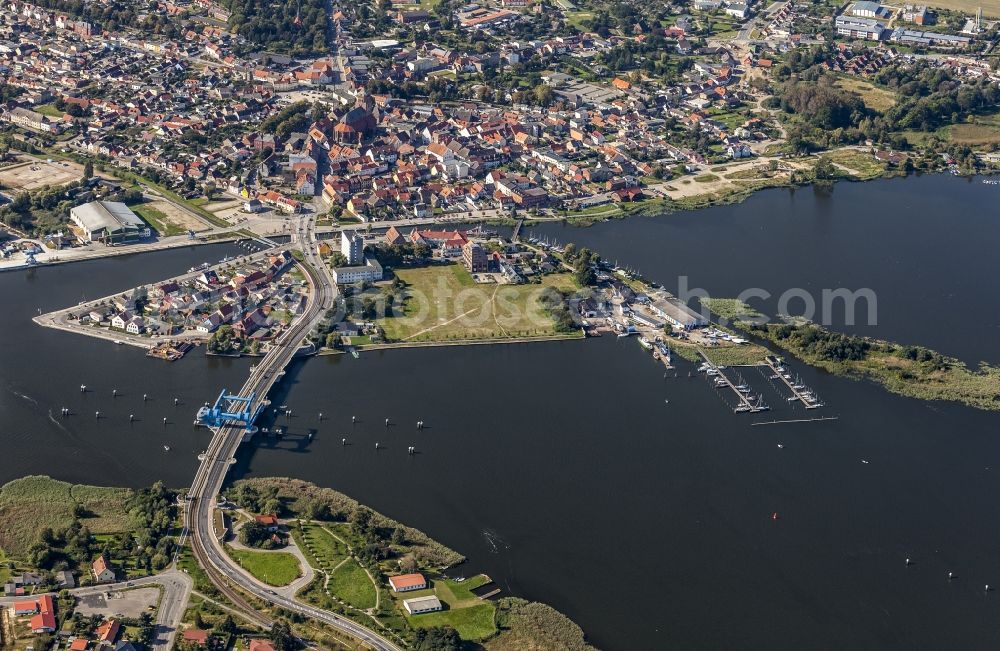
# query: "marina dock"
x,y
722,380
799,391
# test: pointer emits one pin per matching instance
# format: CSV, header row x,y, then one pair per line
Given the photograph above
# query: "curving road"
x,y
223,570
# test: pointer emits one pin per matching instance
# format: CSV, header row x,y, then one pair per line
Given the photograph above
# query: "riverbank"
x,y
912,371
354,549
48,258
737,181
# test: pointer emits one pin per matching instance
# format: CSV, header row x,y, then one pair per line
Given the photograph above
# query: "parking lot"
x,y
125,603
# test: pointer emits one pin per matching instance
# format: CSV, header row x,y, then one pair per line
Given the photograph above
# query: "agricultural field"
x,y
31,504
984,130
443,302
991,8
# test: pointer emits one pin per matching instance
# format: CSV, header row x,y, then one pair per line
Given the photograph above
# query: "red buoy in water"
x,y
774,516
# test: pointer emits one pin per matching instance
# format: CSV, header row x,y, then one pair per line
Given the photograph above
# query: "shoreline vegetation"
x,y
48,525
912,371
355,546
724,185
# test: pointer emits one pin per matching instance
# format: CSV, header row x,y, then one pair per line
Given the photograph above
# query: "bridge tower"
x,y
230,409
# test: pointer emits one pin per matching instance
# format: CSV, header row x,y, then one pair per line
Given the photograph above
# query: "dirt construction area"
x,y
124,603
179,217
32,174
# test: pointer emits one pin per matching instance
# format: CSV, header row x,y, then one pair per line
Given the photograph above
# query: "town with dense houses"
x,y
419,120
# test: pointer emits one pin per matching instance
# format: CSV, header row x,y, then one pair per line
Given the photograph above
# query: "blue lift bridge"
x,y
230,410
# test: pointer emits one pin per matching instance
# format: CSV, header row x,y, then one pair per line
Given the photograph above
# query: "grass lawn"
x,y
577,18
443,302
863,164
273,568
157,219
874,97
458,593
30,504
737,355
49,110
473,623
323,550
984,130
351,583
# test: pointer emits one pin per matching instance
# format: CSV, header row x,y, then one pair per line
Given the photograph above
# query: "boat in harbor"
x,y
645,343
627,331
200,267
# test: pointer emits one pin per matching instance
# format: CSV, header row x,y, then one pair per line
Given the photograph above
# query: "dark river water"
x,y
578,475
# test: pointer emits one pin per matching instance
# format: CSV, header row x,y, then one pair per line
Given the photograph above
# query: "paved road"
x,y
176,591
217,458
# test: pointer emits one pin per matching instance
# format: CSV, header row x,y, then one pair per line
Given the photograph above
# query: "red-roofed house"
x,y
102,573
196,636
407,582
450,242
43,623
268,520
79,644
45,620
108,631
261,645
25,607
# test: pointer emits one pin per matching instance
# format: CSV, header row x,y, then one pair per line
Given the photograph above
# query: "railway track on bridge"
x,y
221,570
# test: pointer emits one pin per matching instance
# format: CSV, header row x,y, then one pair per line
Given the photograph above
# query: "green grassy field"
x,y
862,165
874,97
49,109
472,623
459,593
983,130
273,568
443,302
351,583
323,550
31,504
